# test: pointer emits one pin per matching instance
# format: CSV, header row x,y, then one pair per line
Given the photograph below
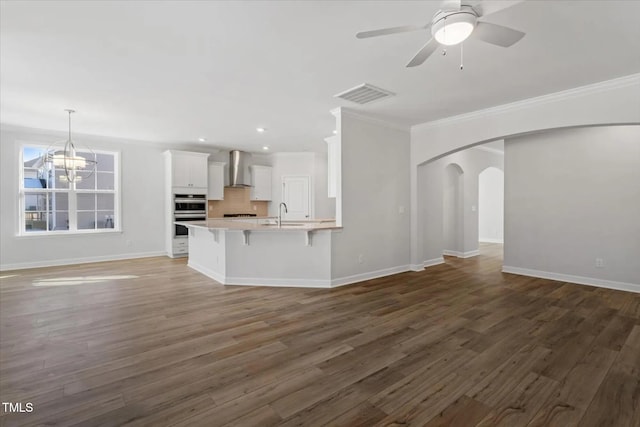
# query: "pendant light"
x,y
76,164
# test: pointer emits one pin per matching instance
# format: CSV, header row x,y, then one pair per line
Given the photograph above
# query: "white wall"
x,y
374,188
572,196
453,209
142,206
431,184
491,205
611,102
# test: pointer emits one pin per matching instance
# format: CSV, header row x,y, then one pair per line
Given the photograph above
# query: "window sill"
x,y
68,233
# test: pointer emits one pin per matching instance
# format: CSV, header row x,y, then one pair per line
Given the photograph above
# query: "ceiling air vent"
x,y
364,94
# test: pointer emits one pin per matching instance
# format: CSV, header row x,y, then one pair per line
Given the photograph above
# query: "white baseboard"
x,y
297,283
287,283
71,261
416,267
220,278
490,240
468,254
341,281
580,280
252,281
431,262
172,255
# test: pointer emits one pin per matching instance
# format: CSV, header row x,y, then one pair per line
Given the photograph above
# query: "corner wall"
x,y
374,189
571,197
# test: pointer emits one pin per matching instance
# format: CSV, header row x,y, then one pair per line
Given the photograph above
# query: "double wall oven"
x,y
188,207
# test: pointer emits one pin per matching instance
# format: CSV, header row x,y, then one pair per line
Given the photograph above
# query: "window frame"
x,y
72,197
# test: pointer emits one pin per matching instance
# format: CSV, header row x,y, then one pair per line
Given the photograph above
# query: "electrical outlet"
x,y
401,209
360,259
255,208
599,263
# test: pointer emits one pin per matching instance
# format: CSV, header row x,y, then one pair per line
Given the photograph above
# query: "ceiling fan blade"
x,y
487,7
392,30
423,53
496,34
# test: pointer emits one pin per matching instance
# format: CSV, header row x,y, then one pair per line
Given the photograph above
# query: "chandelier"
x,y
77,164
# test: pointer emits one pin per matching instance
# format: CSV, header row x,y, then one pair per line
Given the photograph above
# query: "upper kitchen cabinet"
x,y
187,172
216,181
261,182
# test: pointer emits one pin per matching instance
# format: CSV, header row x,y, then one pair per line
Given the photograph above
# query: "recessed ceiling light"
x,y
335,132
266,147
202,139
260,130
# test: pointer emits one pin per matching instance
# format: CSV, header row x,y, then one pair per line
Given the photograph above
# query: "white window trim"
x,y
117,183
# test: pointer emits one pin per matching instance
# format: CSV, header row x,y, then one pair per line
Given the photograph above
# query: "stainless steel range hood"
x,y
238,169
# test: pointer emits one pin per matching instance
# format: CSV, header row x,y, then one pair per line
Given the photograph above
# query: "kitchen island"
x,y
259,251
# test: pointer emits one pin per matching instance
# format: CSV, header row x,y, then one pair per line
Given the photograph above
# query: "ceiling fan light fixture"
x,y
453,28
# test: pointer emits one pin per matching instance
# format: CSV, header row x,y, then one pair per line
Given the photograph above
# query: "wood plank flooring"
x,y
152,343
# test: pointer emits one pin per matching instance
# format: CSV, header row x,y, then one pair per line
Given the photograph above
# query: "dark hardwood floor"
x,y
152,342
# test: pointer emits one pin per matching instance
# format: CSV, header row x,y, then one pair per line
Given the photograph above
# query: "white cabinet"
x,y
261,182
188,171
215,189
332,165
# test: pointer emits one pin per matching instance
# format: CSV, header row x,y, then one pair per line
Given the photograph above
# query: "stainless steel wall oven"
x,y
188,207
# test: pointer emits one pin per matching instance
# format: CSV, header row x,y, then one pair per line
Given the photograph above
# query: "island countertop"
x,y
263,224
256,251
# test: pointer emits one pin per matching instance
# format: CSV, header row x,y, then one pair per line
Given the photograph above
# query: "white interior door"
x,y
296,194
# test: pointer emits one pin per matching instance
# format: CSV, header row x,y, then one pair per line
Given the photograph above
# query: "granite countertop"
x,y
263,224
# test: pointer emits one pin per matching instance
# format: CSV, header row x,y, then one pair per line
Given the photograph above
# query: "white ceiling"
x,y
176,71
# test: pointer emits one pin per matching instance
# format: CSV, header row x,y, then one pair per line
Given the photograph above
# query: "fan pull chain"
x,y
461,56
444,28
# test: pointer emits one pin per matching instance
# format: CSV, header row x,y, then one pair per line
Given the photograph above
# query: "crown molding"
x,y
367,118
617,83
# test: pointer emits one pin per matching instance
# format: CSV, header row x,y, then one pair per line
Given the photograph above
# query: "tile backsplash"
x,y
236,201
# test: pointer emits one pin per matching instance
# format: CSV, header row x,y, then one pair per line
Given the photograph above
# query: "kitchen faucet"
x,y
280,213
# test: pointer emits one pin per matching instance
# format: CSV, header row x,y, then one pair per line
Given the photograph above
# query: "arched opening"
x,y
453,210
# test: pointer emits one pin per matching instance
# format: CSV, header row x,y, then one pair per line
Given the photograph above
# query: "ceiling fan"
x,y
455,22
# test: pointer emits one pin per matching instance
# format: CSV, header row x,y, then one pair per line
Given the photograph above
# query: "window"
x,y
51,204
